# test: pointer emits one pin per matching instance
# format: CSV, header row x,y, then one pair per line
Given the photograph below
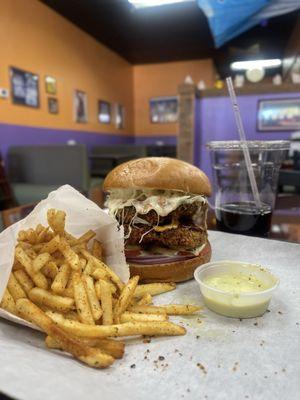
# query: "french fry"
x,y
89,267
38,278
40,261
154,328
31,253
81,300
25,245
91,356
86,237
22,236
132,317
125,298
17,266
147,309
82,263
145,300
97,250
24,280
39,228
106,303
93,299
68,292
56,220
71,257
153,288
8,303
72,315
53,301
42,234
170,309
99,264
61,279
50,270
31,236
113,347
98,273
52,246
113,289
15,289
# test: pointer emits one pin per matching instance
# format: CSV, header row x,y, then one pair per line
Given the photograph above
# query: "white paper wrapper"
x,y
82,215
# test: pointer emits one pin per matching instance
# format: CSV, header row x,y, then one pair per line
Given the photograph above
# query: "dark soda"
x,y
244,218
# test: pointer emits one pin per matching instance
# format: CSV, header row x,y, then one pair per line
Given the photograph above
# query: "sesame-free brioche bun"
x,y
158,173
178,271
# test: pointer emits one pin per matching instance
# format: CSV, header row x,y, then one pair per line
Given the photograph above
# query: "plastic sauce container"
x,y
236,289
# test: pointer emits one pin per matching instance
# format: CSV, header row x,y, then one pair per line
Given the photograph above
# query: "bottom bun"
x,y
178,271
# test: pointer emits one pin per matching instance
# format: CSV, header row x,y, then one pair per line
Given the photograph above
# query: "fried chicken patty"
x,y
187,237
184,214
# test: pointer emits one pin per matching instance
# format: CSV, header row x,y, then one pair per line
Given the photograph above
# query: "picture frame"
x,y
104,112
24,87
119,116
278,115
163,110
50,85
52,105
80,106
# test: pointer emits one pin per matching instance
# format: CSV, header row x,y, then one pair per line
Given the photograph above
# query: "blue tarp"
x,y
229,18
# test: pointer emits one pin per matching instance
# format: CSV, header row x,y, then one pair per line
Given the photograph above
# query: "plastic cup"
x,y
235,207
234,304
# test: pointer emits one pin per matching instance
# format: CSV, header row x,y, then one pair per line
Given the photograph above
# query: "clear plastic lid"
x,y
252,144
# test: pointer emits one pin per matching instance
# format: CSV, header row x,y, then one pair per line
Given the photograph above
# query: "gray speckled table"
x,y
219,358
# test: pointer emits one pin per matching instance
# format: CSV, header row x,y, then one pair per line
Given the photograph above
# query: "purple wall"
x,y
18,135
215,121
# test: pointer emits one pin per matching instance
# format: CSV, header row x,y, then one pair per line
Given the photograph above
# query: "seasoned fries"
x,y
91,356
106,303
53,301
81,300
160,328
8,302
170,309
154,289
61,279
62,284
15,288
125,298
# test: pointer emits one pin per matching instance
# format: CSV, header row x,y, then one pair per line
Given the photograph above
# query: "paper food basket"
x,y
81,215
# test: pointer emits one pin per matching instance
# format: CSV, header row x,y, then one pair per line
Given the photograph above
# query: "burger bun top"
x,y
158,173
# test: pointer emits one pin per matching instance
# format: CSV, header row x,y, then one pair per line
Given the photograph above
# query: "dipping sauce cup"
x,y
236,289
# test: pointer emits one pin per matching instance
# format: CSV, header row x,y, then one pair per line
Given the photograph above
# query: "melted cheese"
x,y
161,201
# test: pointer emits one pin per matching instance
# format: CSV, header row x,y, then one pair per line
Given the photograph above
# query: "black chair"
x,y
162,151
104,158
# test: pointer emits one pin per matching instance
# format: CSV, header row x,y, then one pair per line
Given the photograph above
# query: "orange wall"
x,y
35,38
155,80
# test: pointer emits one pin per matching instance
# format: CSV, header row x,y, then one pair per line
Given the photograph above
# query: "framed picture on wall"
x,y
163,110
52,105
278,115
80,106
24,87
50,84
104,112
120,116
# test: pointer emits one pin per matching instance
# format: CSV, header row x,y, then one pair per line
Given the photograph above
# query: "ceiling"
x,y
169,33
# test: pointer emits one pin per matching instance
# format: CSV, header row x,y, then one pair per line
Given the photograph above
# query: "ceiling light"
x,y
239,65
152,3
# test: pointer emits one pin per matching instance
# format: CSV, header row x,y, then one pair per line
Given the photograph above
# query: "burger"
x,y
161,203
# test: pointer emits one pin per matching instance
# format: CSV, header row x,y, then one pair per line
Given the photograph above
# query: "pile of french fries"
x,y
61,284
